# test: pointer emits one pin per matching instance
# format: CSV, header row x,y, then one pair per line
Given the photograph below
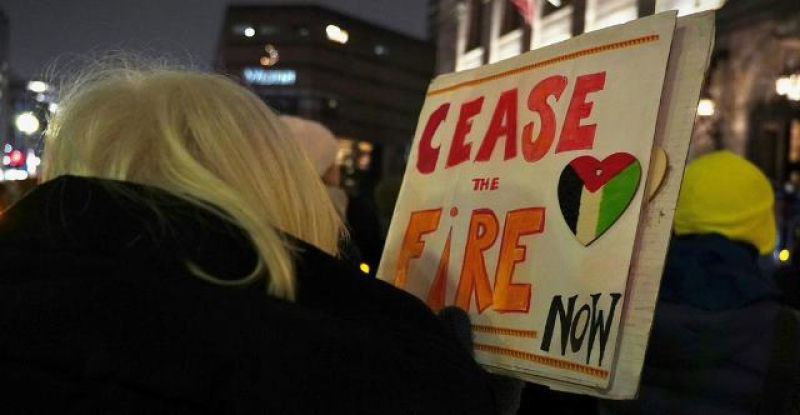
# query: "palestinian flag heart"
x,y
593,194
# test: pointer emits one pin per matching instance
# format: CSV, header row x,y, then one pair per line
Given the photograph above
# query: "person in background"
x,y
365,240
386,193
180,257
721,342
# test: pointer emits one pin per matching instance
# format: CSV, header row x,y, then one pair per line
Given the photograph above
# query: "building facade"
x,y
744,109
5,103
366,83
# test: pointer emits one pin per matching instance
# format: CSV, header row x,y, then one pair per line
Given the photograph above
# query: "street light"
x,y
37,86
27,123
705,108
337,34
789,86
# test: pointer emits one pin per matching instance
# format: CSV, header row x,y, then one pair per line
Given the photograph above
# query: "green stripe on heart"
x,y
593,194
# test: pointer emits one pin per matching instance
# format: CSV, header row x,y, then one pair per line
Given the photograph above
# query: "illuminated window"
x,y
244,29
552,6
604,13
381,50
685,7
337,34
555,24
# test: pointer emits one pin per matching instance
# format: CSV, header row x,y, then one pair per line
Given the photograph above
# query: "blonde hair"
x,y
203,138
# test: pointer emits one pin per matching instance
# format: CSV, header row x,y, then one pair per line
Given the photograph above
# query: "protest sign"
x,y
524,200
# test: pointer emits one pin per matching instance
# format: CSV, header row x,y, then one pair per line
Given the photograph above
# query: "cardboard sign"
x,y
524,201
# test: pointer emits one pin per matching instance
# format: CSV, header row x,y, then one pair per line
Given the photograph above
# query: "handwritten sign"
x,y
523,201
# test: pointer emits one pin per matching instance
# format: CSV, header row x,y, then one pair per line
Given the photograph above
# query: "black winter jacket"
x,y
98,314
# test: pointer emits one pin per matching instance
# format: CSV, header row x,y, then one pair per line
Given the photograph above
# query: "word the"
x,y
486,184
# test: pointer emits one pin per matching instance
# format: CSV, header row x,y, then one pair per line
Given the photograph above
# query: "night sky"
x,y
188,30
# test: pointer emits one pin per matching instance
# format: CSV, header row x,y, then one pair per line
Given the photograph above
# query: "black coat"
x,y
98,314
711,340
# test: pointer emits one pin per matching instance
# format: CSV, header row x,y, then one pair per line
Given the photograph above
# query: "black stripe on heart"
x,y
570,188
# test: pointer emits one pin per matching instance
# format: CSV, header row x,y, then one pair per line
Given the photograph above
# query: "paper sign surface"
x,y
523,199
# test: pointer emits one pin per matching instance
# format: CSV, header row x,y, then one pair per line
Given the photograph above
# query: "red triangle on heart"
x,y
596,173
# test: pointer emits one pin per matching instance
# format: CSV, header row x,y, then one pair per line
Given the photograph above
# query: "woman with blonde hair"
x,y
180,257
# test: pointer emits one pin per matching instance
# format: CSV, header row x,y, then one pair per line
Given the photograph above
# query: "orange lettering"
x,y
482,234
510,297
436,295
421,223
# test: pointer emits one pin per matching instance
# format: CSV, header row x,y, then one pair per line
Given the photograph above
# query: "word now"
x,y
574,326
505,295
503,124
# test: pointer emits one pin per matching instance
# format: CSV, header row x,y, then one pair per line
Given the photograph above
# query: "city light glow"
x,y
705,108
789,86
784,255
15,174
32,163
249,32
27,123
37,86
337,34
16,158
260,76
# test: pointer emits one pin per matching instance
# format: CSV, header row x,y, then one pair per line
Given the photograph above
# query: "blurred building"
x,y
5,105
750,102
751,99
754,84
471,33
366,83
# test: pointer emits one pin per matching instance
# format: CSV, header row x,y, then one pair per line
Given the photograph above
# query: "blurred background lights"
x,y
249,32
37,86
705,108
27,123
32,162
784,255
789,86
337,34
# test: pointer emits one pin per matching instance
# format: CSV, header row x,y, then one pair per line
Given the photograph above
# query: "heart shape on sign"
x,y
593,194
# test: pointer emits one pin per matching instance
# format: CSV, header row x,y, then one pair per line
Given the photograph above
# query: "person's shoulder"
x,y
339,287
392,341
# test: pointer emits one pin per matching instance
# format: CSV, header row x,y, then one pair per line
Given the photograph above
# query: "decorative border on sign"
x,y
547,361
504,331
570,56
